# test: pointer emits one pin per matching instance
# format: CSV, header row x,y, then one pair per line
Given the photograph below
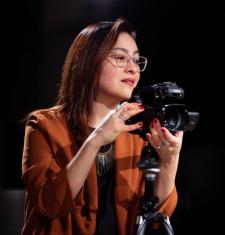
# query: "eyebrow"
x,y
125,50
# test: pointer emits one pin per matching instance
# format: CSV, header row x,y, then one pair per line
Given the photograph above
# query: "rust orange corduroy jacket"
x,y
49,206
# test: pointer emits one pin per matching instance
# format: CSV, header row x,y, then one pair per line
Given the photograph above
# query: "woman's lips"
x,y
128,81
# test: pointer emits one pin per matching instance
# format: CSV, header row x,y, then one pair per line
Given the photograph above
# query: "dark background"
x,y
183,41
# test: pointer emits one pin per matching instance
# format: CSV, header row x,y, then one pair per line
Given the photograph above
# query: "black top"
x,y
106,217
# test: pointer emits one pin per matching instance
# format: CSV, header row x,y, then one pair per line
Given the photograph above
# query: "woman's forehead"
x,y
126,44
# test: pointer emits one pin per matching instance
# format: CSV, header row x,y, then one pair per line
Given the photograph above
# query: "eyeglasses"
x,y
121,60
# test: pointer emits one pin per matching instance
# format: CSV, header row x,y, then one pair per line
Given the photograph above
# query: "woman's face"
x,y
118,81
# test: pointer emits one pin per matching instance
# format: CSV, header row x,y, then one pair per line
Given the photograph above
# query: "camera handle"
x,y
149,220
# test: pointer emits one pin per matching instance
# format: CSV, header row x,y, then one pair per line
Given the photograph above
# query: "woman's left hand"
x,y
166,144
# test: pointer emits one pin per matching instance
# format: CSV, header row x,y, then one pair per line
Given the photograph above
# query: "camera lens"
x,y
172,121
175,117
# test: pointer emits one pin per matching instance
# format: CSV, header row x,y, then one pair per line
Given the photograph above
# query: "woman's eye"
x,y
121,57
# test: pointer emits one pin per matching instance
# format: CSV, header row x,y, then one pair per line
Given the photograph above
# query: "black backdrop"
x,y
183,41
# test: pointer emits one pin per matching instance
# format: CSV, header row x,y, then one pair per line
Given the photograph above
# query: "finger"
x,y
154,135
152,142
133,127
179,134
162,138
170,137
134,111
149,138
126,106
158,127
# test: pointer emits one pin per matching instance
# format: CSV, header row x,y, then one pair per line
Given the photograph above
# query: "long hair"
x,y
81,70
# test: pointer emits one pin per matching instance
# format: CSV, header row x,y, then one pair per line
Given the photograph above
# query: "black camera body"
x,y
162,101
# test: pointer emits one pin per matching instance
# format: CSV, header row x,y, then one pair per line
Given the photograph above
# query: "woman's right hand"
x,y
114,124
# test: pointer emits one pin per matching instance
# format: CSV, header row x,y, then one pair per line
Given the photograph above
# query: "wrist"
x,y
170,163
95,142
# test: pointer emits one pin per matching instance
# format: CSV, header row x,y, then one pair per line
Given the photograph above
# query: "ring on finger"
x,y
122,115
165,142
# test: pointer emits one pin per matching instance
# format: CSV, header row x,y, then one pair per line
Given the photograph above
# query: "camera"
x,y
162,101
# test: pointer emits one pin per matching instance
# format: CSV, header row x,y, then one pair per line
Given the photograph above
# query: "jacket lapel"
x,y
123,177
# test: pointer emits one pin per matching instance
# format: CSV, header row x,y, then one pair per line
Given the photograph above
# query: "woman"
x,y
79,159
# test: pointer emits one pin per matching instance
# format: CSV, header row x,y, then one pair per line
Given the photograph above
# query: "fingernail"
x,y
140,123
152,125
148,135
141,107
155,120
163,130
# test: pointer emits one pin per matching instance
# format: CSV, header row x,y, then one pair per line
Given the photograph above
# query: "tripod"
x,y
149,221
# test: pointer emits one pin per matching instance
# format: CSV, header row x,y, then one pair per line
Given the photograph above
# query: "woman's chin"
x,y
127,95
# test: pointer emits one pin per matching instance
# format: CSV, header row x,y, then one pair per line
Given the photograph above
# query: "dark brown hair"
x,y
80,75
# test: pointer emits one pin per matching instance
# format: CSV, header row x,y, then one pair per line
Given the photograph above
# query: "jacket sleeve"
x,y
45,181
169,204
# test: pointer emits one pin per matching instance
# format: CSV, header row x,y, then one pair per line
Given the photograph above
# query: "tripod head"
x,y
149,220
